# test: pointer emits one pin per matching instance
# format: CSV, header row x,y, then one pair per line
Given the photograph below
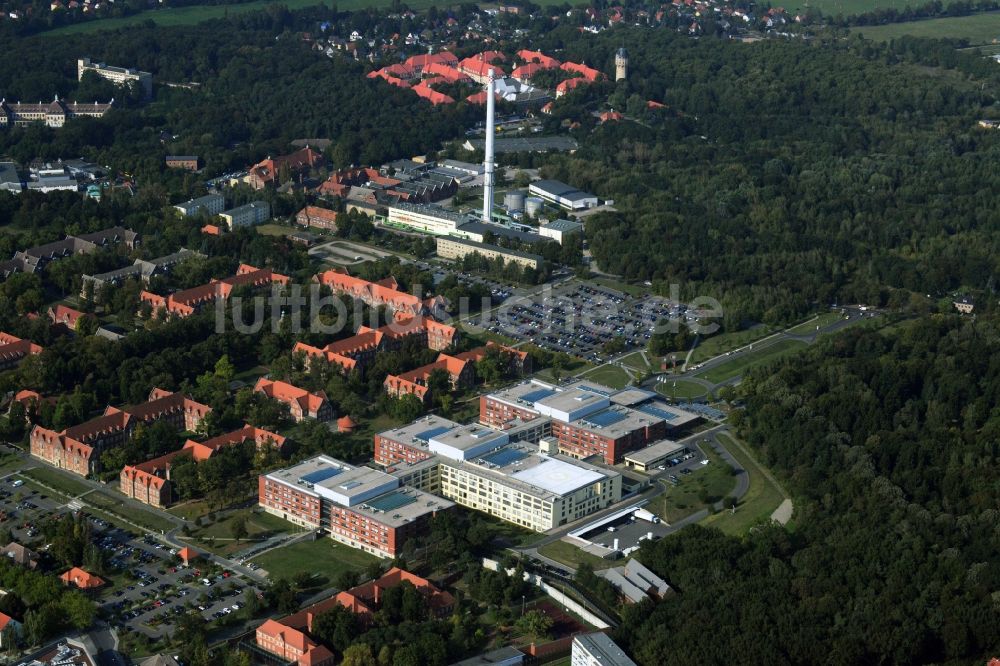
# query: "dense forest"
x,y
785,173
888,441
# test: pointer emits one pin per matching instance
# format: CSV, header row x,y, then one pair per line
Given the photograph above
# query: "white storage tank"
x,y
533,206
514,201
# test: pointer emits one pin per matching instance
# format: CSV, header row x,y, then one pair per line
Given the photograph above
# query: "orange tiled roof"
x,y
539,58
288,393
589,73
570,84
82,579
63,314
433,96
447,72
426,60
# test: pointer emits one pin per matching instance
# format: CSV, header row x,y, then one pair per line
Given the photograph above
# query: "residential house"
x,y
13,350
20,555
267,172
10,632
301,403
320,218
79,578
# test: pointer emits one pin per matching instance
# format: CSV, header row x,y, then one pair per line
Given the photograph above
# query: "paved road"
x,y
689,374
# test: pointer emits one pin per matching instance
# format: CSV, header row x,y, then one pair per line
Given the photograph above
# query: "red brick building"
x,y
301,403
357,506
149,482
13,350
187,302
188,162
78,448
318,218
359,350
289,637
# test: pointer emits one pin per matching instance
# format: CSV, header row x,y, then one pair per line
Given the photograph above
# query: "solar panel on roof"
x,y
594,389
426,435
657,412
321,475
606,418
504,457
391,502
536,395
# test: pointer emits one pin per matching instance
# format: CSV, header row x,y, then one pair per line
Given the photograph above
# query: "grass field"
x,y
821,320
738,365
272,229
571,556
720,344
977,28
762,498
681,388
197,14
696,491
624,287
323,556
636,362
260,526
609,375
56,480
852,7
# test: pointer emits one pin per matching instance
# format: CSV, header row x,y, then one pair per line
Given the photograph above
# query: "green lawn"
x,y
738,365
977,28
324,556
681,388
60,481
199,13
705,486
721,343
821,320
272,229
762,498
117,507
636,362
10,462
609,375
624,287
571,556
852,7
259,526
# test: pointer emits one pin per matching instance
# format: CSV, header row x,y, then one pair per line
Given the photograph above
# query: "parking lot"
x,y
579,318
499,291
156,587
147,585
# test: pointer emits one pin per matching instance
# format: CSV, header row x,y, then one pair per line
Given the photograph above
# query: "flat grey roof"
x,y
434,211
502,655
603,649
523,236
476,245
418,433
615,421
564,225
526,144
655,452
245,207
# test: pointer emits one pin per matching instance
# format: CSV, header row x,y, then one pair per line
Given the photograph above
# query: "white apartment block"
x,y
118,75
255,212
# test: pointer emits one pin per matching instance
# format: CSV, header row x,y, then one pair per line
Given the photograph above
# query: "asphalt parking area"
x,y
580,318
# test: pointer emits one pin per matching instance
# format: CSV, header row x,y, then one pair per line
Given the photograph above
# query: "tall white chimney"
x,y
488,178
